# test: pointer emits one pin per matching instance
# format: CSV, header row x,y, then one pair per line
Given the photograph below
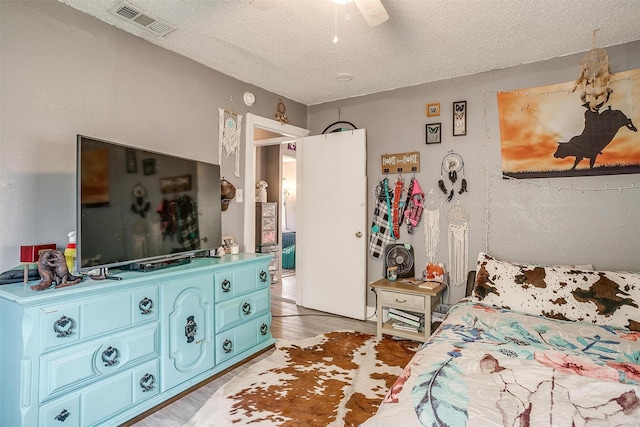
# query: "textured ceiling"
x,y
289,50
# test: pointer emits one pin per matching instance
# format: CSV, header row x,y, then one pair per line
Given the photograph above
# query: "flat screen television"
x,y
136,206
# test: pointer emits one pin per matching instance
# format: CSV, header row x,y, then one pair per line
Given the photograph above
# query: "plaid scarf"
x,y
380,229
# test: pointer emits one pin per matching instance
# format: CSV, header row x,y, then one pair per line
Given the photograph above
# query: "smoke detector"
x,y
142,19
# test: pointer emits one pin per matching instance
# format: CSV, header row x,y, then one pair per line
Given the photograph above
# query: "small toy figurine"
x,y
52,267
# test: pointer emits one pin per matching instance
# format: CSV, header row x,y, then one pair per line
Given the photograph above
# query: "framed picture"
x,y
132,164
433,109
149,166
434,133
227,241
459,118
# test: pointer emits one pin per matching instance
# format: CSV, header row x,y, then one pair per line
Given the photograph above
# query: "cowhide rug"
x,y
334,379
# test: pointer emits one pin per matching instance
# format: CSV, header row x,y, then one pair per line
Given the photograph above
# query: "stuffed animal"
x,y
52,267
435,272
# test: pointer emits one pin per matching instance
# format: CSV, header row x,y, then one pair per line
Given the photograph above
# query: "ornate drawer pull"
x,y
190,329
225,285
401,302
264,329
147,382
145,305
227,346
62,415
263,276
110,356
246,309
64,326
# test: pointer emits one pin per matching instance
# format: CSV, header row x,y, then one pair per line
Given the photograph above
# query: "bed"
x,y
531,346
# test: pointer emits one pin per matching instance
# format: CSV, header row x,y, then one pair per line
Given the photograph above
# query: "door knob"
x,y
359,234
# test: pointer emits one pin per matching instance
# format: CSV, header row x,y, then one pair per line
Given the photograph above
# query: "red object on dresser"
x,y
31,253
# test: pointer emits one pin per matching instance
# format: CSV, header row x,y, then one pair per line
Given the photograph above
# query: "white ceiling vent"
x,y
142,19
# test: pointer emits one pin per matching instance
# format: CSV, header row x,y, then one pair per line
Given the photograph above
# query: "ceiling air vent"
x,y
142,19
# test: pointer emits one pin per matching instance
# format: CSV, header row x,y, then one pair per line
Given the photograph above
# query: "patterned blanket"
x,y
487,366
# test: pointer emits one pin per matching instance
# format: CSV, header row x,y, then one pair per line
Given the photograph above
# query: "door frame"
x,y
289,133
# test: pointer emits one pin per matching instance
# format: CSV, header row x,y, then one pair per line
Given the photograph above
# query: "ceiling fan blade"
x,y
373,11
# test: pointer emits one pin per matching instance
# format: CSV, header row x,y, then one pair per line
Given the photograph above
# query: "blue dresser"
x,y
102,352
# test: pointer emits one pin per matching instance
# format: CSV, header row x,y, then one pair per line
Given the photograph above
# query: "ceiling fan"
x,y
372,10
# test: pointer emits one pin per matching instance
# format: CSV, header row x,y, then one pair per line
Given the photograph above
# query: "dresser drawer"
x,y
408,301
233,312
231,283
70,323
234,341
63,370
100,400
62,412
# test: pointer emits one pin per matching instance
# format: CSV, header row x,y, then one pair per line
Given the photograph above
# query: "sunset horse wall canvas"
x,y
549,131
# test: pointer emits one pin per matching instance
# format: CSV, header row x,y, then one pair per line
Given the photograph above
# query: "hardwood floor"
x,y
289,322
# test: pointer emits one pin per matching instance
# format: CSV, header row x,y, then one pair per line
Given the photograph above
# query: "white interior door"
x,y
332,246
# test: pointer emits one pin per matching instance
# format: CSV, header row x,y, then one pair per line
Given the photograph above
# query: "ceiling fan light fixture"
x,y
344,77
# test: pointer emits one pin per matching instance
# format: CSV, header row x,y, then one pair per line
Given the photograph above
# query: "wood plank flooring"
x,y
289,322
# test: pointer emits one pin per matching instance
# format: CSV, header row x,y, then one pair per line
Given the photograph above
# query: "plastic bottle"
x,y
70,252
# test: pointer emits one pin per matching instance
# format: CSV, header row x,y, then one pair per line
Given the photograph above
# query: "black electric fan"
x,y
399,255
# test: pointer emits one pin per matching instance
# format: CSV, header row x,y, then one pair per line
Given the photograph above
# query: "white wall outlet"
x,y
239,195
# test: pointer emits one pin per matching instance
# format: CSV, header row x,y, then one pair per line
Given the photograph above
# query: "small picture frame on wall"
x,y
132,163
433,110
434,133
149,166
459,118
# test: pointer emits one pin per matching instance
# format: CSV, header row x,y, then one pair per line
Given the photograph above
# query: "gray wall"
x,y
66,73
525,222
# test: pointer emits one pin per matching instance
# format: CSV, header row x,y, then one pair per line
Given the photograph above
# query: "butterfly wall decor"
x,y
434,133
459,118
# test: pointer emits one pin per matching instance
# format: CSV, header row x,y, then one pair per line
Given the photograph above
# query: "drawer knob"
x,y
62,415
110,356
246,309
401,301
190,329
264,329
147,382
227,346
145,305
263,276
64,326
225,285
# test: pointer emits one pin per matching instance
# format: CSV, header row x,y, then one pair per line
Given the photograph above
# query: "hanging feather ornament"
x,y
463,186
441,185
594,78
452,163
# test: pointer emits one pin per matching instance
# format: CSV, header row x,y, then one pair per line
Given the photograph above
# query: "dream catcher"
x,y
432,203
229,130
139,200
458,218
594,78
452,165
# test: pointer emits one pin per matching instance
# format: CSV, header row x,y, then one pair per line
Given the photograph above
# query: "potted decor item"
x,y
261,191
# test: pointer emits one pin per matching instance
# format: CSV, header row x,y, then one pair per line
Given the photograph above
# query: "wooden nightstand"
x,y
408,298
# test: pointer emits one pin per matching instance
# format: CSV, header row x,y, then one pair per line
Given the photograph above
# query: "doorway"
x,y
288,226
273,138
